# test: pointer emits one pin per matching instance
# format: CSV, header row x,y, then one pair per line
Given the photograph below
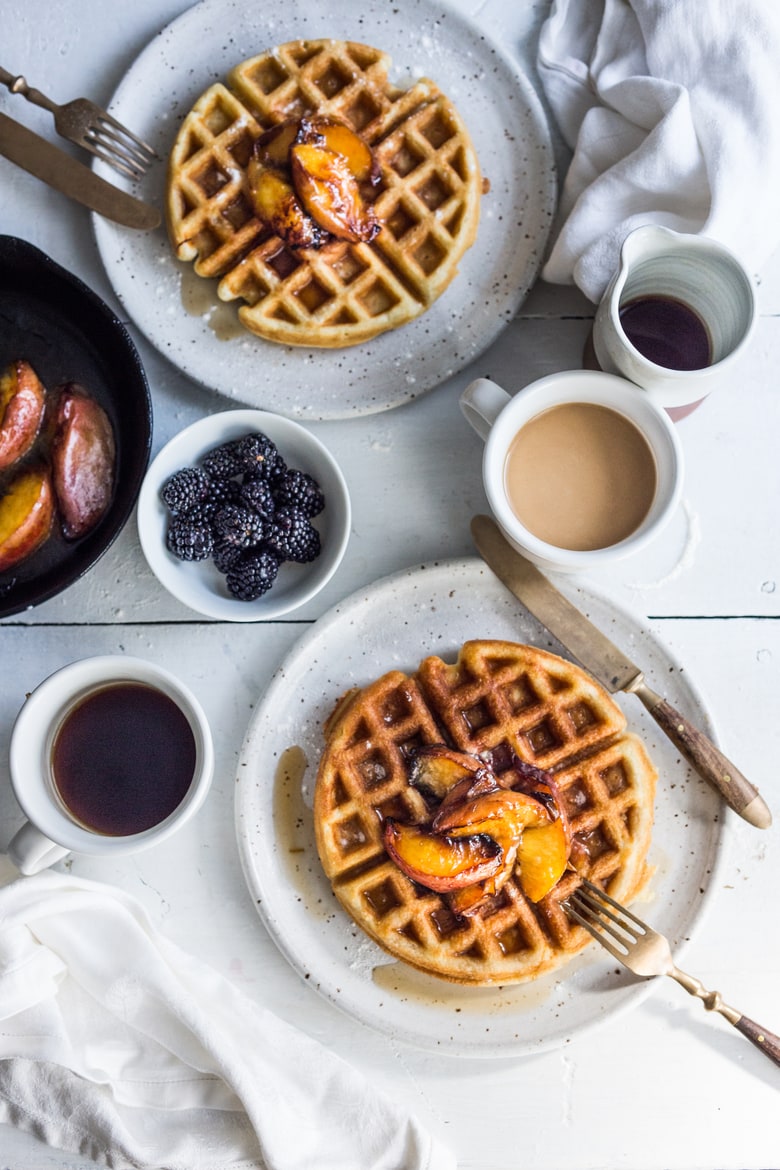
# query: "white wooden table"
x,y
666,1086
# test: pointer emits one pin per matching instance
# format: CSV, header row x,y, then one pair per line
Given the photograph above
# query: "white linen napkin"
x,y
117,1045
672,110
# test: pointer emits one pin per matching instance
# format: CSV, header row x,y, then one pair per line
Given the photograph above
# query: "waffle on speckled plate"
x,y
498,697
426,201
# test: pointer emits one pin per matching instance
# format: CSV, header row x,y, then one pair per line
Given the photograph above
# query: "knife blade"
x,y
613,669
66,174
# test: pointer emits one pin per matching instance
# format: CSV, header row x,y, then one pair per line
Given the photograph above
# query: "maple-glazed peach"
x,y
530,829
304,182
26,515
22,402
83,461
439,862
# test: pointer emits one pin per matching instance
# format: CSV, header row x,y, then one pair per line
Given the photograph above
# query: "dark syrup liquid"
x,y
123,759
667,332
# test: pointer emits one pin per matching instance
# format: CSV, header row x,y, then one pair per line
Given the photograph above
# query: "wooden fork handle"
x,y
766,1041
701,754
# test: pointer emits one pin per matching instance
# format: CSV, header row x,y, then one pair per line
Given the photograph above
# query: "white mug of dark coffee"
x,y
108,755
676,316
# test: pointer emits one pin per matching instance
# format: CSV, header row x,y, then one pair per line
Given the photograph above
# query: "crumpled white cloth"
x,y
117,1045
672,110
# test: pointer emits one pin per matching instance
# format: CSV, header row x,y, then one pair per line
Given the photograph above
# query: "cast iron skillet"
x,y
68,334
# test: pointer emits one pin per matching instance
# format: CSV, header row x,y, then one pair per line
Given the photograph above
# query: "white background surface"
x,y
664,1086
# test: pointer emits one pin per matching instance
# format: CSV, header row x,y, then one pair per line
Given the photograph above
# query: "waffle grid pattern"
x,y
608,788
427,200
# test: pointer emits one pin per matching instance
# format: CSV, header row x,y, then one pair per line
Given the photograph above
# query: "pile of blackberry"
x,y
247,510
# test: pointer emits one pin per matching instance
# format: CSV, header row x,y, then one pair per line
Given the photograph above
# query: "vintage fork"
x,y
83,122
645,952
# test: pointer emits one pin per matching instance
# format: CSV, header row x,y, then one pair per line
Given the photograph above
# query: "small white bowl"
x,y
198,584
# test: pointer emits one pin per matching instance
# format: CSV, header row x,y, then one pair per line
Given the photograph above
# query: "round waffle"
x,y
496,696
426,201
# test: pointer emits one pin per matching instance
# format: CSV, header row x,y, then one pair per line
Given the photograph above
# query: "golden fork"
x,y
646,952
85,124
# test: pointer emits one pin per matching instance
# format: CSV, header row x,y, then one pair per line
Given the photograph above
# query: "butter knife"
x,y
63,172
607,663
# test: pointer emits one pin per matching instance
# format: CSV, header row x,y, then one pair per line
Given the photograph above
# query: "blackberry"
x,y
252,575
257,493
301,491
225,555
224,491
185,488
257,453
190,539
201,514
239,525
223,462
290,534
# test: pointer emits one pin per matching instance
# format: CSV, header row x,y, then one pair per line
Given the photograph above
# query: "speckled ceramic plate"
x,y
424,38
393,625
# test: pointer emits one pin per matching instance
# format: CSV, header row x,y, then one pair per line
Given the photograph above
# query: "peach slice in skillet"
x,y
22,401
26,514
83,457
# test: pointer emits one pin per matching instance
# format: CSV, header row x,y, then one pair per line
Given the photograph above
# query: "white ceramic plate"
x,y
424,38
198,584
393,625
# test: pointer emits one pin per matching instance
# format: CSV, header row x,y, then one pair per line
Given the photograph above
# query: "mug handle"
x,y
481,403
31,851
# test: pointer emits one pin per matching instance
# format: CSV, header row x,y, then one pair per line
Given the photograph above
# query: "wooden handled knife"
x,y
66,174
613,669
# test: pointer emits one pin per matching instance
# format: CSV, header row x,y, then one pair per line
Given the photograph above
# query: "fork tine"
x,y
114,152
112,158
589,887
109,140
593,932
604,916
590,906
137,143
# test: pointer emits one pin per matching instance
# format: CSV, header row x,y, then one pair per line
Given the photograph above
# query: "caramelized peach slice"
x,y
338,137
467,902
329,192
501,811
438,770
502,815
26,513
278,207
83,459
542,856
273,147
438,862
22,399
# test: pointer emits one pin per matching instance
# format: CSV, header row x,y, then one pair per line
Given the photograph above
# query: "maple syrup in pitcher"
x,y
123,759
667,332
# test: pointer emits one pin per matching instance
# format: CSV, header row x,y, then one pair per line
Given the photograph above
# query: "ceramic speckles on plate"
x,y
176,311
393,625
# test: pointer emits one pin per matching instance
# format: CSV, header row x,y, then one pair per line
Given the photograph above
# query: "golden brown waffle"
x,y
427,200
553,715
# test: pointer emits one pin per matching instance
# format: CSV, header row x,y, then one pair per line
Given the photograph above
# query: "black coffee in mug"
x,y
123,759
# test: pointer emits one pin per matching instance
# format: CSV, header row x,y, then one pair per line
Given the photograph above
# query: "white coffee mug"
x,y
52,830
498,417
707,284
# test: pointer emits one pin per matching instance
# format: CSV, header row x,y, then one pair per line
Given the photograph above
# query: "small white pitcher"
x,y
661,264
